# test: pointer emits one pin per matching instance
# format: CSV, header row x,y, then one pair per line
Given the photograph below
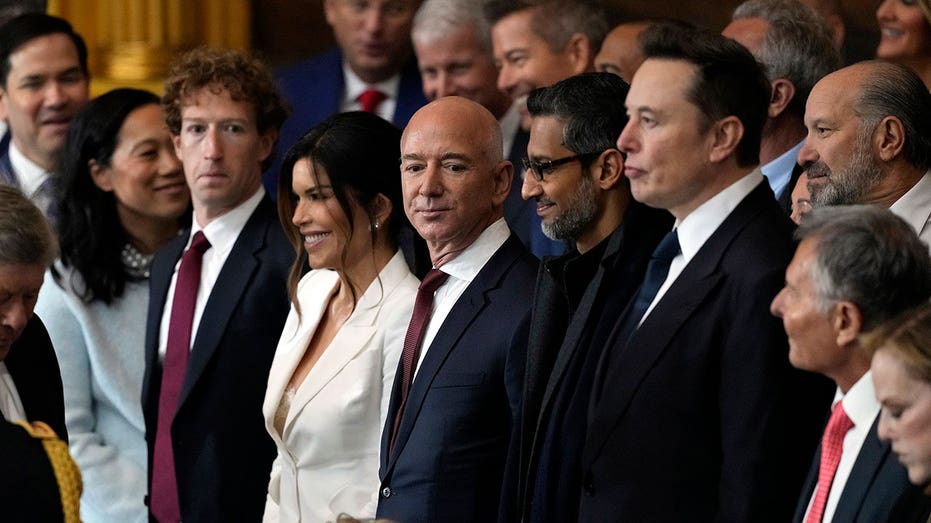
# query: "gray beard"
x,y
849,186
578,217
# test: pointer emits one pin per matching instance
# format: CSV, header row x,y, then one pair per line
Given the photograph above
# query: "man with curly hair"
x,y
218,297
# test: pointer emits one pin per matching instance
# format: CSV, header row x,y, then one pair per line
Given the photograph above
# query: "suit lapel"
x,y
294,341
865,469
472,301
224,298
631,362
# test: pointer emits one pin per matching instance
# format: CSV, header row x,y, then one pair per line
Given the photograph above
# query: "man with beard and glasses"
x,y
869,141
575,174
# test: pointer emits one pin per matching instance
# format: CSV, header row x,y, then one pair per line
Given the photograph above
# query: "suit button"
x,y
588,484
386,492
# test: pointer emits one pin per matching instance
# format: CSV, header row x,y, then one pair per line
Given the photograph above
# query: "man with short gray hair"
x,y
30,381
869,141
453,46
855,267
795,45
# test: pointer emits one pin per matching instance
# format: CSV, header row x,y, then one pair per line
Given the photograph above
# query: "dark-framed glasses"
x,y
541,169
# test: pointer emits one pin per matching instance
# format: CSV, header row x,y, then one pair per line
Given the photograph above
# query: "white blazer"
x,y
328,451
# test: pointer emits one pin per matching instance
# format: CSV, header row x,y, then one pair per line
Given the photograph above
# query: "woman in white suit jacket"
x,y
330,381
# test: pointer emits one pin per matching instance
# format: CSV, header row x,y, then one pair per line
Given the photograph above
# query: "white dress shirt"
x,y
222,233
915,207
461,270
354,86
700,224
862,407
10,405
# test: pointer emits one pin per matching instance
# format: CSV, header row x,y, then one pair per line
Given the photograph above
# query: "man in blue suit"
x,y
456,399
215,317
855,268
373,54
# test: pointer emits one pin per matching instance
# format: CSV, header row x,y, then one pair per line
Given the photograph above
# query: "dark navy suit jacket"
x,y
223,454
34,367
314,89
449,455
877,487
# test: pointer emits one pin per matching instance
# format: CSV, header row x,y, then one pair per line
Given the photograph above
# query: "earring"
x,y
375,225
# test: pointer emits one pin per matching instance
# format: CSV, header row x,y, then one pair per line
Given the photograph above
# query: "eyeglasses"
x,y
541,169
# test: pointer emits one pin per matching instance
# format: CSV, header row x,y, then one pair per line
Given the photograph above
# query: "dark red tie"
x,y
370,100
832,446
164,499
423,307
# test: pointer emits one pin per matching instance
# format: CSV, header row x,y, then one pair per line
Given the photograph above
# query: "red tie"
x,y
423,307
370,99
832,446
164,498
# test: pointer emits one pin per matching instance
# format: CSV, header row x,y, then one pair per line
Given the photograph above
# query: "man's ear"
x,y
267,143
847,322
4,114
728,132
609,169
503,177
781,96
579,52
889,138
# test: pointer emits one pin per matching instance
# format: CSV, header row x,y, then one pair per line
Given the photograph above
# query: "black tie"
x,y
657,270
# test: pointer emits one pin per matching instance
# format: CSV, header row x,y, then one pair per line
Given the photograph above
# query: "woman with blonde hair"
x,y
905,34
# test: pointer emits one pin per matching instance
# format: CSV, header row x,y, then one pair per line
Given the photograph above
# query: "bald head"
x,y
453,174
869,134
620,52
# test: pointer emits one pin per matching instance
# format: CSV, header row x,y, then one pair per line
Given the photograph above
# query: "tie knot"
x,y
668,248
370,99
839,423
432,281
200,243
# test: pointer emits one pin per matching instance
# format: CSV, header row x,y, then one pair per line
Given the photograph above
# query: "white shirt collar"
x,y
860,402
915,205
701,223
354,86
469,262
509,123
223,230
31,176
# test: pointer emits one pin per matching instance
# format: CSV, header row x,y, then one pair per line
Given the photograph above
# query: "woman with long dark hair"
x,y
121,195
339,199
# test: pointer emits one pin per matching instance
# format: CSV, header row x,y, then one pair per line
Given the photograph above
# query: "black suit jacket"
x,y
877,487
556,332
701,417
448,459
222,453
34,367
29,491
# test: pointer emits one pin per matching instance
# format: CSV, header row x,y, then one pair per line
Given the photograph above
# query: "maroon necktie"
x,y
832,446
370,99
423,307
164,498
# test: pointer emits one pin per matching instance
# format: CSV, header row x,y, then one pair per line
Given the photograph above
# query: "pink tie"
x,y
832,446
164,499
423,307
370,99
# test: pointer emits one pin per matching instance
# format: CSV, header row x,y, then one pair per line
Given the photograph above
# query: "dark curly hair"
x,y
245,77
